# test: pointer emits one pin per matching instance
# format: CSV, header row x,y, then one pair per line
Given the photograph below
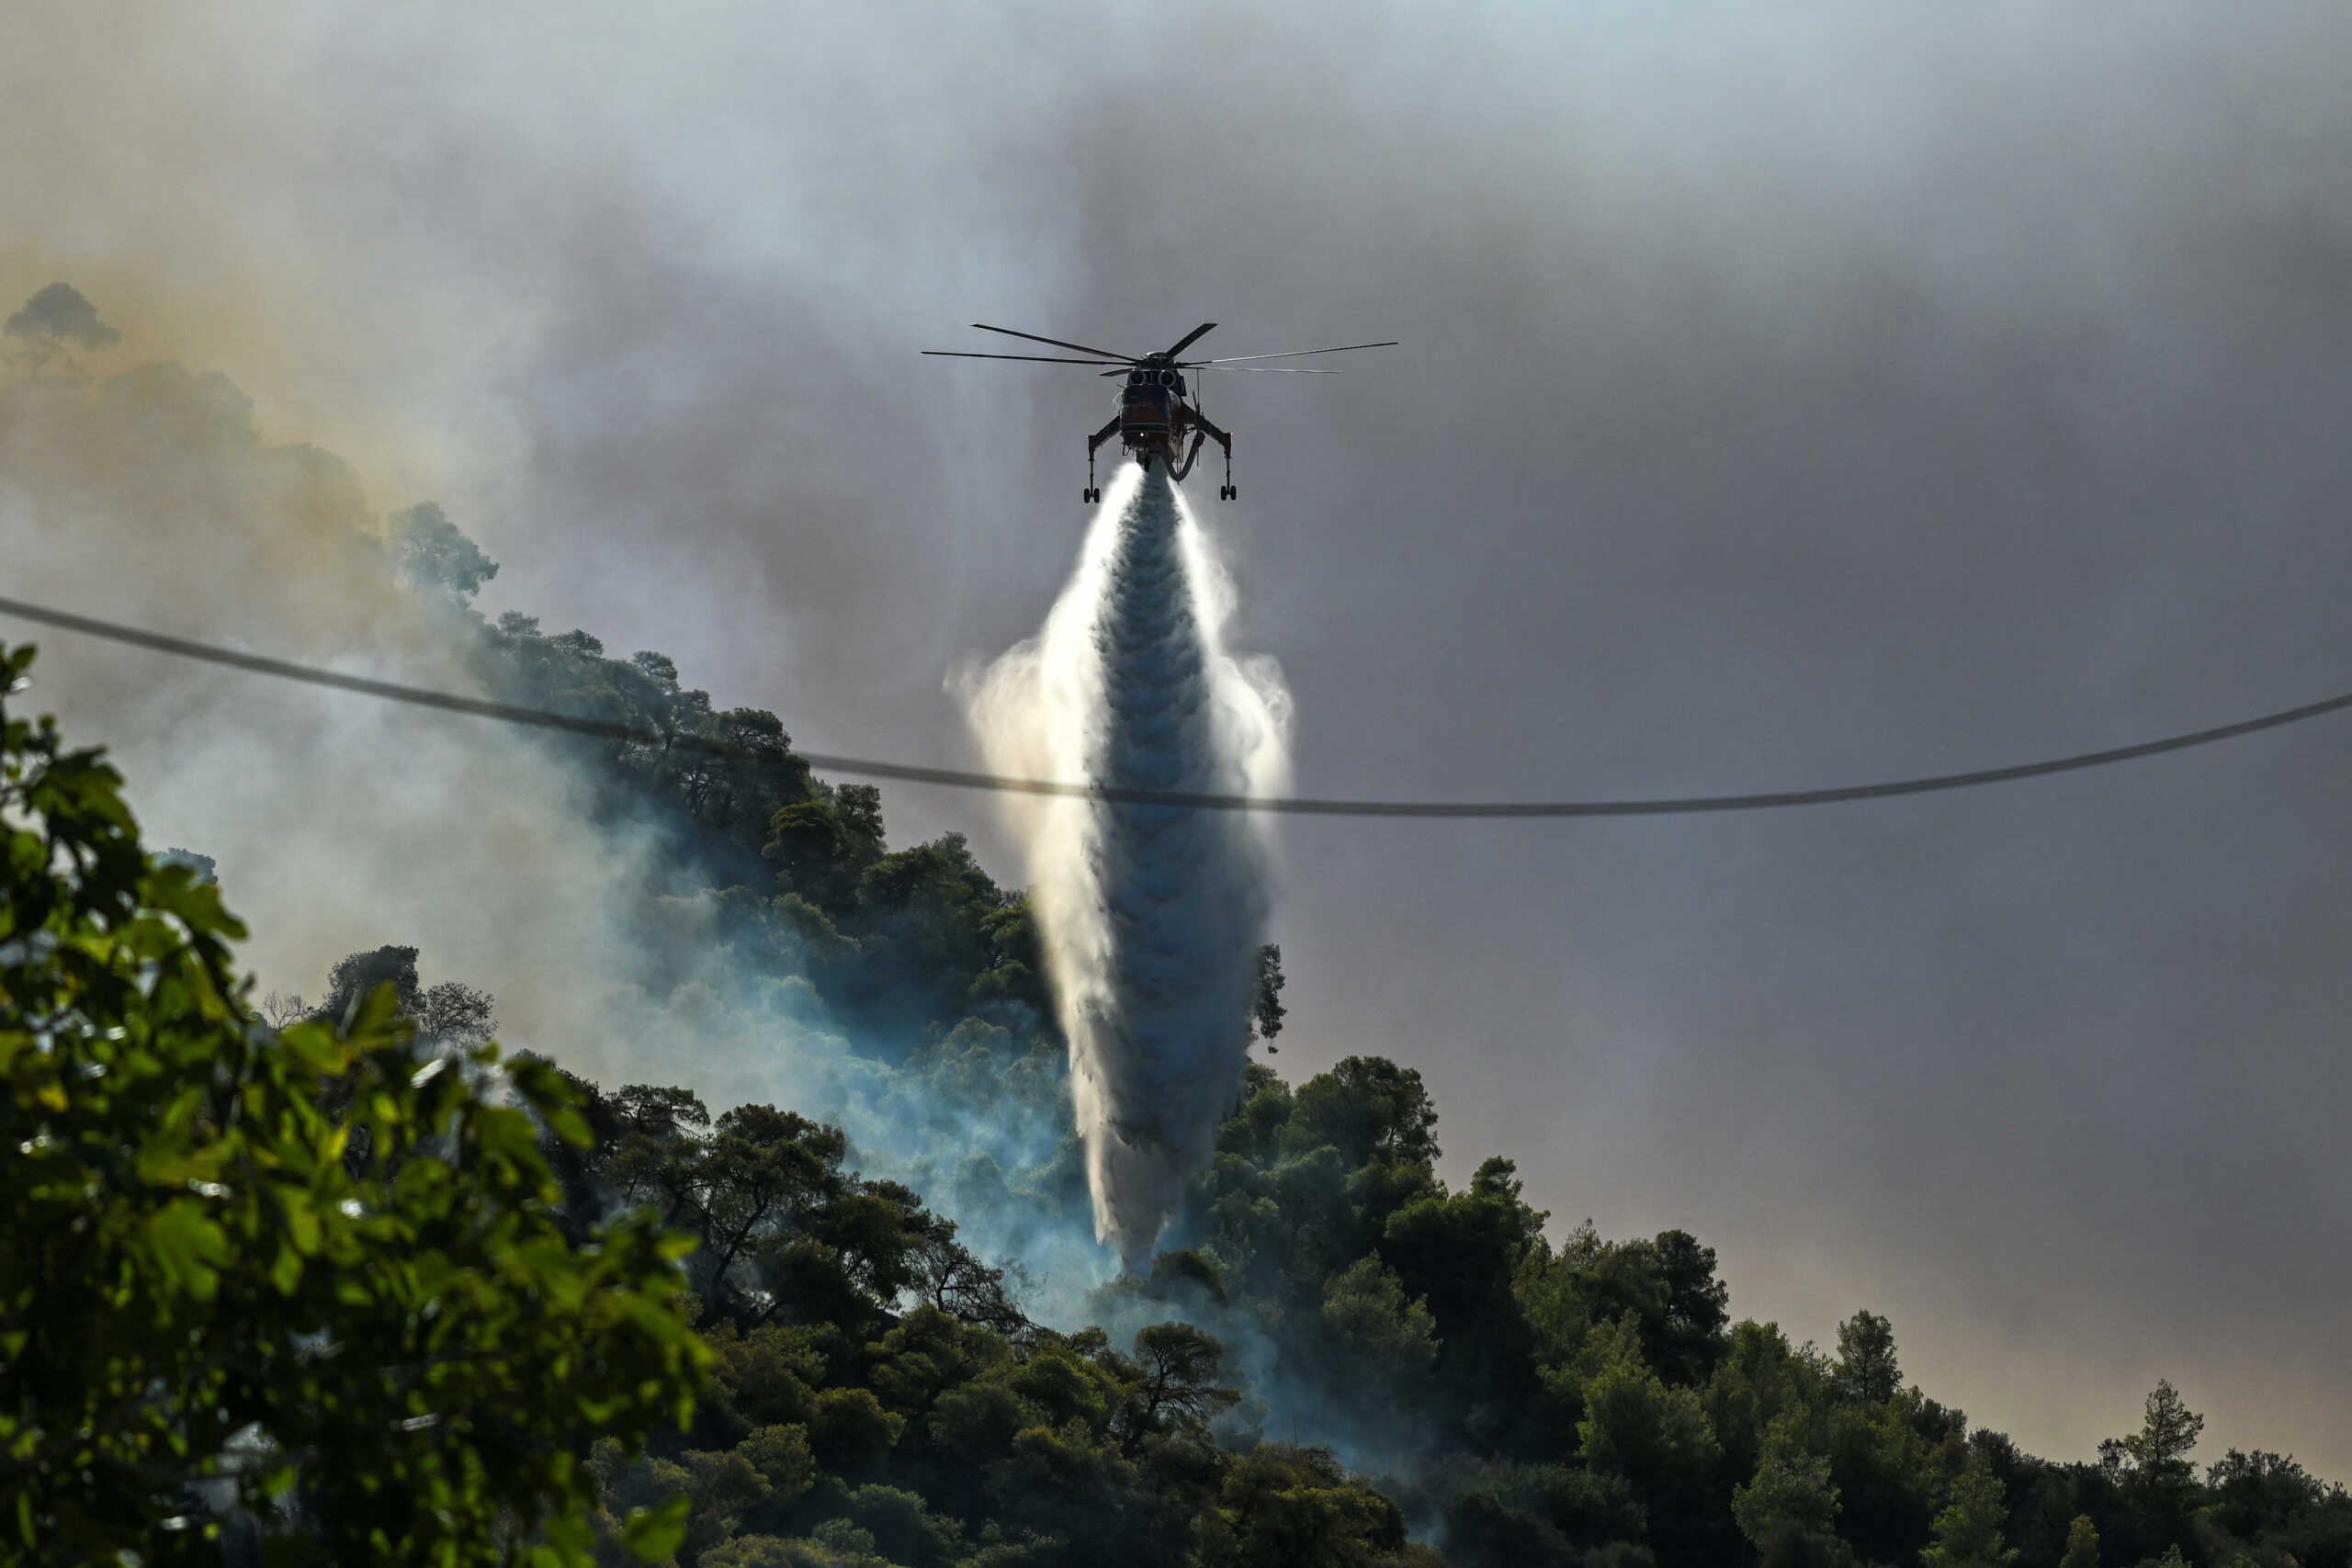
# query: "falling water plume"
x,y
1151,915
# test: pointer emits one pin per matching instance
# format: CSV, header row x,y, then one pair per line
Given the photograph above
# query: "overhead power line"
x,y
959,778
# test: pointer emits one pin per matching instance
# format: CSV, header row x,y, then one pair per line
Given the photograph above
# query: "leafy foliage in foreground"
x,y
316,1277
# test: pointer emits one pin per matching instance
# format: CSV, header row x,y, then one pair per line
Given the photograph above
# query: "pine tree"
x,y
2159,1450
1968,1532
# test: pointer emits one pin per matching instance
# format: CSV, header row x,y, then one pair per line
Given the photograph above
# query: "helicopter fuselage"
x,y
1156,424
1153,415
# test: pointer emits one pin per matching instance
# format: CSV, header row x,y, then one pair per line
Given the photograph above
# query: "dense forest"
x,y
334,1281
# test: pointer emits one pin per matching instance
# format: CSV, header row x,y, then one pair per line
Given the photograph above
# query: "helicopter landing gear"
x,y
1227,493
1093,493
1228,490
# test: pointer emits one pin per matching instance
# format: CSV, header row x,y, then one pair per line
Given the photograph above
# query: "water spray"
x,y
1151,916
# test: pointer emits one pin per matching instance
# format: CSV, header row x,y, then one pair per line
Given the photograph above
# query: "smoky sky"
x,y
1791,395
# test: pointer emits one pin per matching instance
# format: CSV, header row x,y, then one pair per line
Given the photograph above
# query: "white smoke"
x,y
1152,915
339,825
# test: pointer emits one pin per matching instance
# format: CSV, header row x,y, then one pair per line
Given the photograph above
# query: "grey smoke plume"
x,y
154,496
1152,916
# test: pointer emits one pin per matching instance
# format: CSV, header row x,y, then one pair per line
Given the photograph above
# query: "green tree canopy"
x,y
2159,1450
1868,1371
1968,1532
222,1305
2082,1544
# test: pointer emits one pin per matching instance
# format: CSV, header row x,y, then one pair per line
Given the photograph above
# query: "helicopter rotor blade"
x,y
1082,348
1269,370
1294,354
1032,358
1189,339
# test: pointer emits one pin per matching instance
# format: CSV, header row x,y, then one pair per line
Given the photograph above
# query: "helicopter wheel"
x,y
1092,495
1228,492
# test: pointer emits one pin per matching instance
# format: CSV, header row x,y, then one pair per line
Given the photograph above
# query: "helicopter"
x,y
1154,417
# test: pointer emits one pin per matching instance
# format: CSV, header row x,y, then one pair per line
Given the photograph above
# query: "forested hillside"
x,y
869,1384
